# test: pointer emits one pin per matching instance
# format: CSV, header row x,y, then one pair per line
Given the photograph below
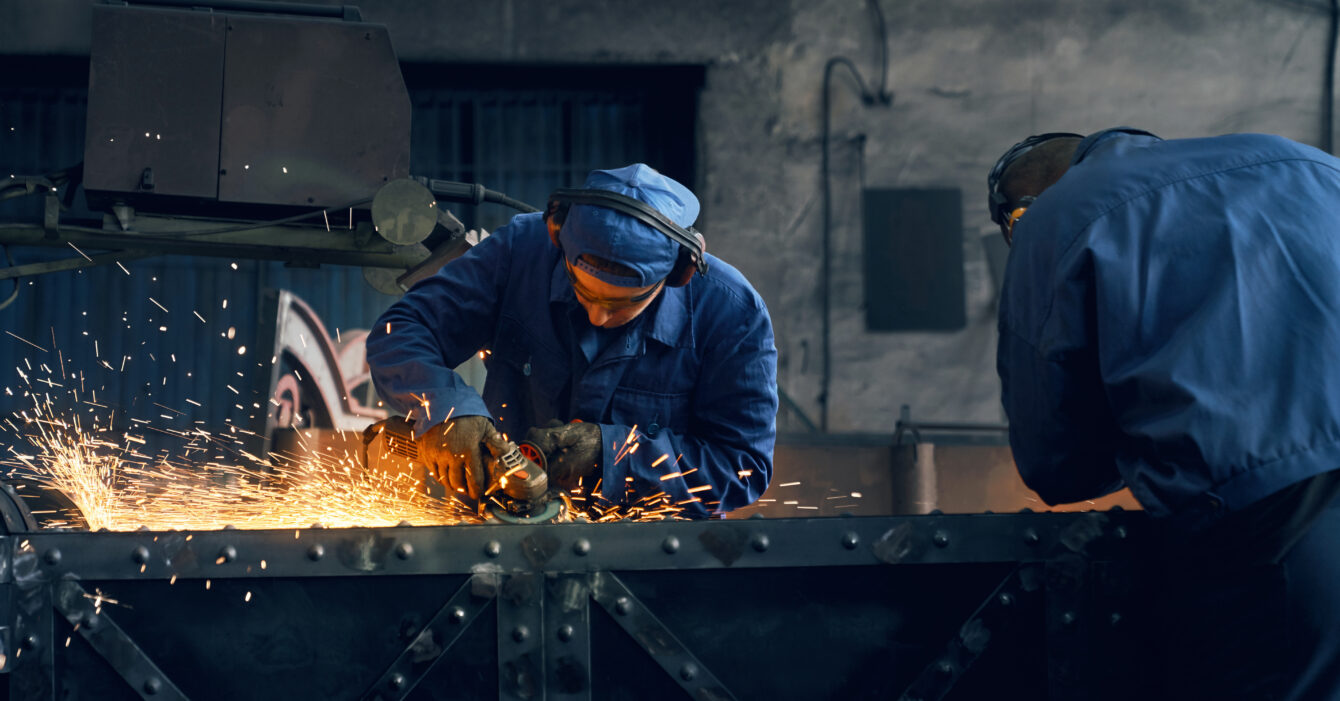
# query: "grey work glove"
x,y
454,453
570,450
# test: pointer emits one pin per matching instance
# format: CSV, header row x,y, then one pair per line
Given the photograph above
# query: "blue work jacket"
x,y
1170,320
695,373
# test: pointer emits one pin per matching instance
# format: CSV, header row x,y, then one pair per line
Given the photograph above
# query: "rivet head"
x,y
520,634
670,545
760,542
1115,619
52,557
318,524
229,527
623,605
404,524
152,685
581,547
1005,599
316,552
945,668
396,682
493,548
941,539
565,632
457,614
404,551
1068,618
228,553
31,641
140,555
91,620
688,672
1119,532
1031,537
850,540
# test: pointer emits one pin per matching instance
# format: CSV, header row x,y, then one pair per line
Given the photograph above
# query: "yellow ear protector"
x,y
1007,227
692,246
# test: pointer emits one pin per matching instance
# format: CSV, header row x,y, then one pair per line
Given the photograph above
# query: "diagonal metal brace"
x,y
974,636
651,635
84,612
435,639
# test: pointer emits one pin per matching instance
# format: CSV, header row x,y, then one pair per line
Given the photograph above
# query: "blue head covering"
x,y
622,239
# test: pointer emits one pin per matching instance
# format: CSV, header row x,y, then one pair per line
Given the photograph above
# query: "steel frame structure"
x,y
925,607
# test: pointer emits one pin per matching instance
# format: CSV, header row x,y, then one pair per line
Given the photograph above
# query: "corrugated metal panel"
x,y
521,142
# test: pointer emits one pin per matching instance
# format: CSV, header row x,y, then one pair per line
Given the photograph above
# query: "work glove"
x,y
570,450
453,451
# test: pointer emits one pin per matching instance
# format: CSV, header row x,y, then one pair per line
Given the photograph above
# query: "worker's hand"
x,y
453,452
571,450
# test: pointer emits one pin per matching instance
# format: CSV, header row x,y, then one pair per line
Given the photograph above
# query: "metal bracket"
x,y
436,638
996,612
653,637
84,612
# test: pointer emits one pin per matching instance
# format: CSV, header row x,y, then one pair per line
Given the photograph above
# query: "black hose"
x,y
1328,88
884,97
499,198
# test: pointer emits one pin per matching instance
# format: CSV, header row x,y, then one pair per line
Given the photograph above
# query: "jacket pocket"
x,y
652,411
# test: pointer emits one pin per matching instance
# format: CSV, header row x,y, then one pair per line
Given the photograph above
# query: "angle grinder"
x,y
517,490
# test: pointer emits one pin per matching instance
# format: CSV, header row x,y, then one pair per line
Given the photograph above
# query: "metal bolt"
x,y
520,633
316,552
396,682
152,685
623,605
318,524
52,557
760,542
493,548
941,539
688,672
1031,537
1005,599
1119,532
1068,618
565,632
404,551
140,555
850,540
31,641
90,620
457,614
229,527
228,553
581,547
403,524
945,668
670,545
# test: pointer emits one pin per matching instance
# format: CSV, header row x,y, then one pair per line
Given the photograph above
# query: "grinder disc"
x,y
552,512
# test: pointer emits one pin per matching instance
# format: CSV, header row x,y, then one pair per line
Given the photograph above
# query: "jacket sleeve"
x,y
435,327
724,459
1062,432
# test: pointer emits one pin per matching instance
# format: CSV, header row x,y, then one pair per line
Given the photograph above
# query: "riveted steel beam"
x,y
657,640
435,640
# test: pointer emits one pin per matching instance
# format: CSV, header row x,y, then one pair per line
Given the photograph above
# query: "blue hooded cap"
x,y
616,237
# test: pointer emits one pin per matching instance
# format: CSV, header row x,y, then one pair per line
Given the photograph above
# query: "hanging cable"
x,y
868,99
12,295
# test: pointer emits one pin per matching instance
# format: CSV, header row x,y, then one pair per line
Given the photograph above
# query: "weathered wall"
x,y
970,77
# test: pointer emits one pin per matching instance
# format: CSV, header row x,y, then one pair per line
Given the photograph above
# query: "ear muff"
x,y
692,244
554,216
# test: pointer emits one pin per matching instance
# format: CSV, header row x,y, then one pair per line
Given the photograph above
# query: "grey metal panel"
x,y
314,112
154,107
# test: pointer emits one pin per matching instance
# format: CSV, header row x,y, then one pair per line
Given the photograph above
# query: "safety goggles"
x,y
608,303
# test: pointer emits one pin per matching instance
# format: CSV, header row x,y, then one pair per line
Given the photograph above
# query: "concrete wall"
x,y
970,77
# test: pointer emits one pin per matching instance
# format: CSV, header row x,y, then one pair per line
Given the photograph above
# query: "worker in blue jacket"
x,y
612,340
1170,322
